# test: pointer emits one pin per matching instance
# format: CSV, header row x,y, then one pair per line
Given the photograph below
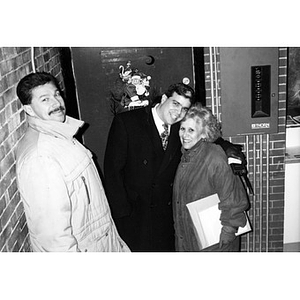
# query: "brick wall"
x,y
265,157
15,63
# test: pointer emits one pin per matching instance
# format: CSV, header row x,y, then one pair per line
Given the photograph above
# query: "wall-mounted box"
x,y
249,90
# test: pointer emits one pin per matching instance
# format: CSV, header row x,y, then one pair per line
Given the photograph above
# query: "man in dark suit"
x,y
139,173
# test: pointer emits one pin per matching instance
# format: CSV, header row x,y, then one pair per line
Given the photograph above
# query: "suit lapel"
x,y
173,142
153,133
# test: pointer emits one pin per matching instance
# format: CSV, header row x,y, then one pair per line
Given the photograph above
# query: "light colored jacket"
x,y
65,205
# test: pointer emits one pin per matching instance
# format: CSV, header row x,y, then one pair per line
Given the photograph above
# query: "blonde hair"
x,y
211,126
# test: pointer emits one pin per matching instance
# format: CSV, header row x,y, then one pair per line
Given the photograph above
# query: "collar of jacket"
x,y
187,155
65,130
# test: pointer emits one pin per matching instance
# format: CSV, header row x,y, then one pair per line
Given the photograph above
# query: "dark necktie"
x,y
164,136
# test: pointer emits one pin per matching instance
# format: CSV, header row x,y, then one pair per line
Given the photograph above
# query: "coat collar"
x,y
188,155
64,130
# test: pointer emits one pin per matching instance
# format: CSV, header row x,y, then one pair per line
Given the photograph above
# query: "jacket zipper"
x,y
86,189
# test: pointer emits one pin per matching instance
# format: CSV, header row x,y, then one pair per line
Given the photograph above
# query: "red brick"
x,y
276,211
276,231
276,247
26,56
277,237
12,79
12,190
277,182
282,62
278,203
4,133
275,224
7,162
2,243
8,52
2,205
20,50
276,197
15,237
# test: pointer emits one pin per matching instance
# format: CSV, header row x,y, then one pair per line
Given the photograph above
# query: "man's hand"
x,y
232,150
235,151
239,165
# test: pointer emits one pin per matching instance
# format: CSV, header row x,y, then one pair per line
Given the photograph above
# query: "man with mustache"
x,y
139,169
65,205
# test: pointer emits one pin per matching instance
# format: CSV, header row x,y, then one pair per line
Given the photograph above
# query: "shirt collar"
x,y
157,120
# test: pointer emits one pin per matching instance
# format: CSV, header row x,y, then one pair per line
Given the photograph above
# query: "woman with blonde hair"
x,y
204,171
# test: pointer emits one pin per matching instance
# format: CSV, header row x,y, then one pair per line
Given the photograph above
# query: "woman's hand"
x,y
227,235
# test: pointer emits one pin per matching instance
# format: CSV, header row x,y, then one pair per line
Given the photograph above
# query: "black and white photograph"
x,y
174,166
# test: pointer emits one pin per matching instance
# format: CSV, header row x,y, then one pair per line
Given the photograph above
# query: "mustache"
x,y
60,108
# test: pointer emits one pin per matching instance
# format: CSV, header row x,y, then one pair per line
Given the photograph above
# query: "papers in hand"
x,y
205,215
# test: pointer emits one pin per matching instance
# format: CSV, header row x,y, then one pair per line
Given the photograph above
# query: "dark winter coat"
x,y
139,178
204,171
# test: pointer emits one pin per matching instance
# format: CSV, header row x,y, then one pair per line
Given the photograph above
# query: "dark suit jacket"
x,y
139,178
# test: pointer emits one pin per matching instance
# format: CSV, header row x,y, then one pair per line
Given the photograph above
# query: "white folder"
x,y
205,215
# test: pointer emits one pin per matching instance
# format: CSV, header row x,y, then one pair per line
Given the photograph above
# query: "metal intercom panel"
x,y
249,90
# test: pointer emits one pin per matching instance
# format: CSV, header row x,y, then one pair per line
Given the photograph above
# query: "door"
x,y
96,71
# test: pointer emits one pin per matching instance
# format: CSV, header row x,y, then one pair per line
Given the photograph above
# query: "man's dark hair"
x,y
182,90
31,81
